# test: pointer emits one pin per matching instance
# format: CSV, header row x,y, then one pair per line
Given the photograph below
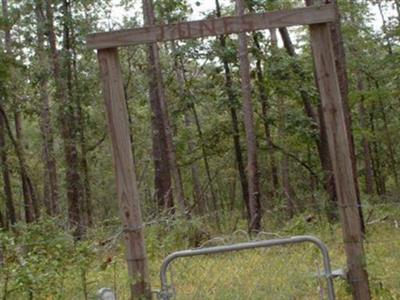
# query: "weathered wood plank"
x,y
339,149
212,27
127,191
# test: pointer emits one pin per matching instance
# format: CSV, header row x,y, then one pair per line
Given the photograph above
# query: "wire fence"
x,y
247,275
289,272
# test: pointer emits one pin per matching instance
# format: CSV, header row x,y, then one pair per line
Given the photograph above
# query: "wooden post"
x,y
128,195
339,149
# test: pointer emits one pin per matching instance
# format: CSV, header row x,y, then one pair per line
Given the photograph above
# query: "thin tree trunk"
x,y
264,110
10,209
86,205
389,143
252,165
86,202
318,124
265,106
194,168
179,72
28,192
2,225
32,210
27,186
210,180
388,138
156,85
368,172
70,129
50,168
288,191
63,94
369,188
214,197
234,118
384,28
380,180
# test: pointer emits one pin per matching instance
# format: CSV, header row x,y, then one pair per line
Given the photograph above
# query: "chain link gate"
x,y
167,292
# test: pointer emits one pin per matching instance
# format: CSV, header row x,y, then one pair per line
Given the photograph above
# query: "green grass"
x,y
54,268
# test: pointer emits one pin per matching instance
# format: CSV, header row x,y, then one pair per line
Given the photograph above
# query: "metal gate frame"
x,y
165,293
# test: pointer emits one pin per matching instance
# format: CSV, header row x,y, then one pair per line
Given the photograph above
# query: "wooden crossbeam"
x,y
212,27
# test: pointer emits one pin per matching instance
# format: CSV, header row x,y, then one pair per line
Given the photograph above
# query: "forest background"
x,y
57,189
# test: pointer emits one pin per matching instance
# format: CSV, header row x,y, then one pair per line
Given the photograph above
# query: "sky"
x,y
202,6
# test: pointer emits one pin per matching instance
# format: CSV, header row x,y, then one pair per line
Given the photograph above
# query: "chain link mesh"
x,y
284,272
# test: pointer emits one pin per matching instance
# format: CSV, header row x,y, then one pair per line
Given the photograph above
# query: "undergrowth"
x,y
41,261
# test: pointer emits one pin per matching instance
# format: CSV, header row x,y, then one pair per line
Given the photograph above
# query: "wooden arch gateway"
x,y
318,18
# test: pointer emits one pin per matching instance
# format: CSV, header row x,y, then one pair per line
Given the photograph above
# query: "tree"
x,y
50,182
63,93
31,205
199,200
10,208
164,151
234,117
252,165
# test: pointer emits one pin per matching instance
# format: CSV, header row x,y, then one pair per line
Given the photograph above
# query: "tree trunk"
x,y
388,138
234,118
235,123
252,165
214,197
86,201
369,188
50,182
368,172
318,124
389,143
63,94
288,191
384,28
179,72
29,195
2,226
264,110
28,191
87,197
198,197
265,106
32,210
10,209
379,176
157,95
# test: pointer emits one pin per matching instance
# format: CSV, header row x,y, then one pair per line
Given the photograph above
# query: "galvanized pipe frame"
x,y
165,292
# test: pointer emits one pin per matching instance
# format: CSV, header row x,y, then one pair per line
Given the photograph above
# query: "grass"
x,y
275,273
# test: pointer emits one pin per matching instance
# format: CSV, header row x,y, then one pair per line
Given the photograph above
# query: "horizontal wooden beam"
x,y
211,27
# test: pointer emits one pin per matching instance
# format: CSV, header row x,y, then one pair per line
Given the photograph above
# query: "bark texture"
x,y
252,165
